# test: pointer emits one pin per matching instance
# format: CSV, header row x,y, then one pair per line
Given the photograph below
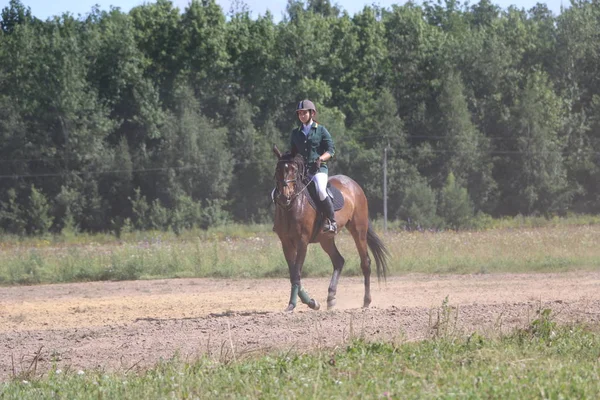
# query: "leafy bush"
x,y
454,206
214,214
11,215
140,209
419,207
186,215
158,217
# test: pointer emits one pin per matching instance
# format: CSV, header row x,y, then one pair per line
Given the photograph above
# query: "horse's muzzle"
x,y
286,203
281,199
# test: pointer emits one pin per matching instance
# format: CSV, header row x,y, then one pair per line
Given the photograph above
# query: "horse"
x,y
297,224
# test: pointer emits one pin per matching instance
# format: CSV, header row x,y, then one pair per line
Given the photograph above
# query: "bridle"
x,y
277,195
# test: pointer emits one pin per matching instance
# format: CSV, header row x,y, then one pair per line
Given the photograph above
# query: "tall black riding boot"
x,y
327,206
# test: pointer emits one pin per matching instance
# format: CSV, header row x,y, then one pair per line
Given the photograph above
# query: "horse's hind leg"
x,y
328,244
359,233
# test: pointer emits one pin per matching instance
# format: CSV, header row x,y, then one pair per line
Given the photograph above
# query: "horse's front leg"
x,y
289,251
295,268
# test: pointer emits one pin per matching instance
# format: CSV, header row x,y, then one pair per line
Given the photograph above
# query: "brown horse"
x,y
297,224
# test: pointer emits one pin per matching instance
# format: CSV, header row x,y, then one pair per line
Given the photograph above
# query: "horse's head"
x,y
289,174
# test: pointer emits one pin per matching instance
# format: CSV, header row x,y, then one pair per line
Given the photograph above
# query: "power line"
x,y
359,137
438,150
433,150
246,163
436,137
119,171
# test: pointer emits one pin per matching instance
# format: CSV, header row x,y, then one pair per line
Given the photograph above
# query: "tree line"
x,y
161,118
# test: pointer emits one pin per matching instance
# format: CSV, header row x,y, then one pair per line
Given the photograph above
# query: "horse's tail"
x,y
380,252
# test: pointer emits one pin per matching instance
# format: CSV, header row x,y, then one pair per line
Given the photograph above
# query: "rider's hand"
x,y
316,166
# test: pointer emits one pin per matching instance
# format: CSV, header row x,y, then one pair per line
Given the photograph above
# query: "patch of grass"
x,y
548,249
542,361
485,222
237,252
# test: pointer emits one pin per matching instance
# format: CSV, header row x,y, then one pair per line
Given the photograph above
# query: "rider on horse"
x,y
315,144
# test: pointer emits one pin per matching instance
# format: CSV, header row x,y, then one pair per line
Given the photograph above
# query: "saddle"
x,y
334,193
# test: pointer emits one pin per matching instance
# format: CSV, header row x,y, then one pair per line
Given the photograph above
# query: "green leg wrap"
x,y
294,295
303,296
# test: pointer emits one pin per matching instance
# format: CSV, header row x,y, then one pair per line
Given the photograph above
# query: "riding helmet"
x,y
306,105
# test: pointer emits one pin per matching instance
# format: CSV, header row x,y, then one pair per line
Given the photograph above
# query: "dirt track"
x,y
121,326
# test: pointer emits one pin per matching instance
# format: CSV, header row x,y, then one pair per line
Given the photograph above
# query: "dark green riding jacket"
x,y
312,146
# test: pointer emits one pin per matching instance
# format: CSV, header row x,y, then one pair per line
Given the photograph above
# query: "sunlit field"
x,y
255,252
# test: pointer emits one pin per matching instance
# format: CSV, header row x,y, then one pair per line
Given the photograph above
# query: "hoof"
x,y
331,303
313,304
290,308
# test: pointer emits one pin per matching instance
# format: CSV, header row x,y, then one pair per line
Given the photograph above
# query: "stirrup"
x,y
330,227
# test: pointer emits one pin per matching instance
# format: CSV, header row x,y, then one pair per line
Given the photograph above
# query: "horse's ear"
x,y
276,151
294,151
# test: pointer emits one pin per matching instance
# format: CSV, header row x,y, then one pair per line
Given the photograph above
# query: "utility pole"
x,y
385,149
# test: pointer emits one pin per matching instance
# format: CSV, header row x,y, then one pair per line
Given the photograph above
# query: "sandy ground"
x,y
128,326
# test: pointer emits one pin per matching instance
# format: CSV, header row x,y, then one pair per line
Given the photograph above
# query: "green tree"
x,y
13,149
484,13
194,156
448,15
536,173
252,174
302,46
12,214
116,185
158,33
140,210
419,208
204,52
15,14
67,210
37,213
369,63
383,128
118,74
252,54
187,214
417,68
588,160
575,75
454,205
323,7
463,150
159,216
57,125
94,208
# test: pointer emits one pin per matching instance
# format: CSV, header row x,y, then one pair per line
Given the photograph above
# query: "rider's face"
x,y
303,116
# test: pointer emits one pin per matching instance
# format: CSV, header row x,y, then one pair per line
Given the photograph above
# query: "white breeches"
x,y
320,179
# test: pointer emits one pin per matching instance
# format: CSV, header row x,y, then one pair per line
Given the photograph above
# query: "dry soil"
x,y
128,326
